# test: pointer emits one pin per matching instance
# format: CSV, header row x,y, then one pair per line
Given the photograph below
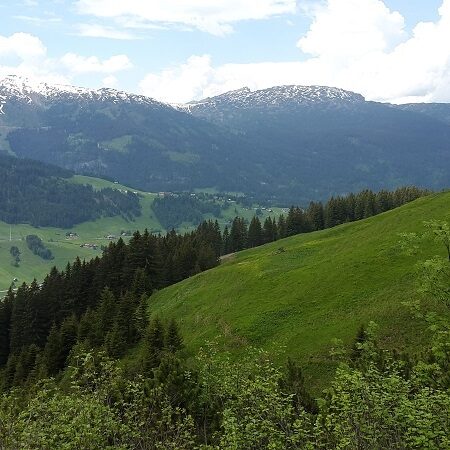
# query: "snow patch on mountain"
x,y
276,96
29,91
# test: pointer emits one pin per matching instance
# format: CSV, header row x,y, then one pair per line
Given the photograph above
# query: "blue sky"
x,y
178,50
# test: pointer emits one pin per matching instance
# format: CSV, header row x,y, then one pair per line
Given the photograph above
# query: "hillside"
x,y
300,293
286,144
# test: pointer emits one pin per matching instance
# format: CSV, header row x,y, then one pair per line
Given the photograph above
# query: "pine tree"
x,y
69,333
293,383
141,315
282,227
238,235
6,306
52,359
174,341
141,283
270,230
296,222
153,344
115,343
255,234
106,313
226,242
315,216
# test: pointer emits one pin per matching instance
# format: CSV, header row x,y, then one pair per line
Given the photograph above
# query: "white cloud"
x,y
39,20
216,17
352,28
22,45
25,55
183,83
110,81
358,45
100,31
91,64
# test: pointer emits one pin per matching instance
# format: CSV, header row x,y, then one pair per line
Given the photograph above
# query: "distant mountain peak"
x,y
277,96
29,91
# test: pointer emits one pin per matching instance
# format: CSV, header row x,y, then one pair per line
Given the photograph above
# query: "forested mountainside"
x,y
42,195
288,144
316,137
88,359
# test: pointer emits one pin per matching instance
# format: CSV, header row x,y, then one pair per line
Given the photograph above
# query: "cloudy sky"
x,y
179,50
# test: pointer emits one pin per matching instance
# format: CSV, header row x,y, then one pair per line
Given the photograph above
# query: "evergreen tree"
x,y
226,242
255,234
115,342
296,222
6,306
282,227
141,315
238,235
153,344
293,383
174,341
106,314
315,216
270,231
52,358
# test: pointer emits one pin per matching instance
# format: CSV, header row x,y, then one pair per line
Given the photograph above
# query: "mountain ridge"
x,y
285,145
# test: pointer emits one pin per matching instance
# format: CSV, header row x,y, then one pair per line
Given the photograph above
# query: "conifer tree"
x,y
238,235
282,228
255,234
52,359
141,315
174,341
153,344
226,243
5,322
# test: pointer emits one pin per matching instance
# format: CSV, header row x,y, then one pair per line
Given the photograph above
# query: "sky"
x,y
181,50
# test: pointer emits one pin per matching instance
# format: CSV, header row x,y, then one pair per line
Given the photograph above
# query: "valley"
x,y
92,233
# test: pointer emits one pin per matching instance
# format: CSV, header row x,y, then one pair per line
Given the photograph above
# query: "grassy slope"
x,y
89,232
323,286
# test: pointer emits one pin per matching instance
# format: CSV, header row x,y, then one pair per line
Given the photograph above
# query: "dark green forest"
x,y
35,244
41,195
173,210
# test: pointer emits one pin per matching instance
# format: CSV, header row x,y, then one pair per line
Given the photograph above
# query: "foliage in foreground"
x,y
377,401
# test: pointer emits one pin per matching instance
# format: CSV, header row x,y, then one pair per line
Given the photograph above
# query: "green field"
x,y
66,250
298,294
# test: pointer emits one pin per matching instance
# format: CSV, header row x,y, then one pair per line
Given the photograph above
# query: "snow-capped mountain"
x,y
278,96
289,143
25,90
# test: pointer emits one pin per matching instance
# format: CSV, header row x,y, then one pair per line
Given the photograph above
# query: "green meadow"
x,y
295,296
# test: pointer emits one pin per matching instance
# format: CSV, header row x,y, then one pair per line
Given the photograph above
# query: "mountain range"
x,y
284,144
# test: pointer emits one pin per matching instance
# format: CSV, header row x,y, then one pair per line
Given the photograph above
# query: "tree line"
x,y
317,216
